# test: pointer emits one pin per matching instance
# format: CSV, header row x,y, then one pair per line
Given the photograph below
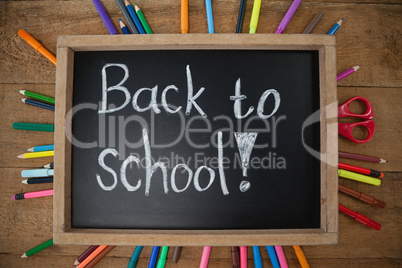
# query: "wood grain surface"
x,y
369,36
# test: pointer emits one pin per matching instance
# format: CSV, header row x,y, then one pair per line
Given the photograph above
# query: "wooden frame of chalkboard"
x,y
326,233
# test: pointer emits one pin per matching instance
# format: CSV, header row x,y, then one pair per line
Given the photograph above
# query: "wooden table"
x,y
369,36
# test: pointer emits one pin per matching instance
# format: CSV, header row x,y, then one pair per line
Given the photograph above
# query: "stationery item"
x,y
281,256
210,17
288,16
241,16
235,257
346,129
105,18
38,180
36,154
37,96
91,256
369,172
301,257
127,16
50,165
335,27
243,257
142,19
358,177
363,197
36,173
205,257
85,254
38,104
33,126
313,23
255,15
123,27
41,148
134,257
184,16
162,257
257,257
362,157
272,256
99,257
176,254
154,256
360,218
347,72
32,194
38,248
134,17
37,46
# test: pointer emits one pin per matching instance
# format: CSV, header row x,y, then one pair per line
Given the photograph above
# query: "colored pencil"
x,y
154,256
38,248
134,17
347,72
33,126
85,254
184,16
123,27
176,254
37,96
50,165
235,257
104,16
210,17
36,154
366,171
37,46
362,157
143,21
255,16
241,16
272,256
363,197
243,257
360,218
288,16
41,148
134,257
37,173
38,180
336,26
99,257
205,257
32,194
38,104
301,257
257,257
281,256
91,256
358,177
313,23
162,257
129,20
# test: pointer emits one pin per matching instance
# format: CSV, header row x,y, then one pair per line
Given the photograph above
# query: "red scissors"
x,y
345,129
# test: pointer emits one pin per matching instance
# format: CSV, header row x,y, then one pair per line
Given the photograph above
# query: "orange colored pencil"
x,y
91,257
100,256
36,45
184,16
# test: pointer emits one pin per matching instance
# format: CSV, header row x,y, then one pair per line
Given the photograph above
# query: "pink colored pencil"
x,y
205,257
347,72
243,257
281,256
32,194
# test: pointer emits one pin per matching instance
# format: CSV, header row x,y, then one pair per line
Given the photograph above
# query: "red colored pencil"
x,y
369,172
360,218
362,157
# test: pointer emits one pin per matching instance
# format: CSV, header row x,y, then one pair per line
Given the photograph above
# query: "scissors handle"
x,y
346,130
344,111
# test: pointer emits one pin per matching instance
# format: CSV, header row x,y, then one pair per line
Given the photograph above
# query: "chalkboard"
x,y
196,139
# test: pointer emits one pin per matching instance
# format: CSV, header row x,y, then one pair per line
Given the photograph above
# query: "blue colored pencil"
x,y
41,148
241,16
273,257
210,17
335,27
154,256
134,257
257,257
137,22
37,180
38,104
123,27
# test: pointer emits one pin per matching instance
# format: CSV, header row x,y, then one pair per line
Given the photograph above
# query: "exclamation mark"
x,y
245,143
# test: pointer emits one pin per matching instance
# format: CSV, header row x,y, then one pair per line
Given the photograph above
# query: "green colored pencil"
x,y
33,126
37,96
36,249
142,19
162,257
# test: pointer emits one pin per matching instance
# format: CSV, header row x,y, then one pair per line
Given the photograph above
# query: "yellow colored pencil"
x,y
36,154
358,177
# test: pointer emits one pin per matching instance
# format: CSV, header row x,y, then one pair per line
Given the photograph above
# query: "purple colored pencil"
x,y
105,18
288,16
347,72
85,254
